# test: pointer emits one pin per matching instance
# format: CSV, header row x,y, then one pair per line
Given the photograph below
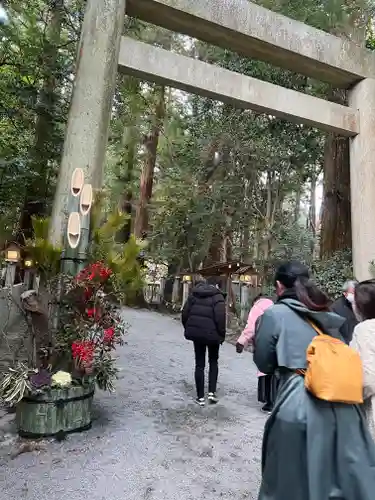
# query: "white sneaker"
x,y
200,401
212,398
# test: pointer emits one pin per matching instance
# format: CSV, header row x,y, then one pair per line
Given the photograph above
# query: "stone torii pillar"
x,y
90,109
362,178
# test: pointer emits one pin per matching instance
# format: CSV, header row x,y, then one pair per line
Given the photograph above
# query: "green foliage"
x,y
293,242
122,259
6,227
45,256
221,174
332,273
106,372
15,384
89,328
212,179
37,57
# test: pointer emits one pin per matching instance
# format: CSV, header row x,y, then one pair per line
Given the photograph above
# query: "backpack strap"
x,y
316,328
320,332
302,371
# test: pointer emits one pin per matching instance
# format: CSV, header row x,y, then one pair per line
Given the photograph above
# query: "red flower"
x,y
94,272
88,293
83,351
82,275
91,312
108,335
94,313
105,273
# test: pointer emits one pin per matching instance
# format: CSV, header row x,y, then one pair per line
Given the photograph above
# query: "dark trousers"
x,y
200,363
267,389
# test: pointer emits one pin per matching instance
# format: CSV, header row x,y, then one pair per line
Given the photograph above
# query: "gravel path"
x,y
149,441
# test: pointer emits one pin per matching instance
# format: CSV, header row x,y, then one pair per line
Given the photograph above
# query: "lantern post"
x,y
187,283
12,258
245,283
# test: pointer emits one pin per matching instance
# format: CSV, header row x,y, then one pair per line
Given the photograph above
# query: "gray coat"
x,y
312,450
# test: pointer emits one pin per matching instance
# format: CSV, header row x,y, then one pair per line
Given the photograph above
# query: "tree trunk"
x,y
227,245
173,270
336,230
245,254
214,254
147,176
246,220
256,243
131,89
297,205
312,205
35,202
273,202
312,213
126,200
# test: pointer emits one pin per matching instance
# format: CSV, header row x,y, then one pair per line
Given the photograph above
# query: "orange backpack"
x,y
334,370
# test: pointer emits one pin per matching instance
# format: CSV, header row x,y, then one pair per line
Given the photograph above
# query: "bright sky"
x,y
319,197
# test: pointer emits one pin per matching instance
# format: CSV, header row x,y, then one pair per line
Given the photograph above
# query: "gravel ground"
x,y
149,441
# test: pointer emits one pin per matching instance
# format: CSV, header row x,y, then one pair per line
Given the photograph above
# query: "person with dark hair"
x,y
312,449
267,384
343,306
364,343
204,320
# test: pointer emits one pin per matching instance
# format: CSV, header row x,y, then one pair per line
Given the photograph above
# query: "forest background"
x,y
202,182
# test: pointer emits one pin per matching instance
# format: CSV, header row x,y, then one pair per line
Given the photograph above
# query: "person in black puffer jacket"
x,y
204,320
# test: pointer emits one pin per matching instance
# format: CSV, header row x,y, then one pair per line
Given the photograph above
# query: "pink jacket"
x,y
255,312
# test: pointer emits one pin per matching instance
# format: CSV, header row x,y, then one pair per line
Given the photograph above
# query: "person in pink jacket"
x,y
266,383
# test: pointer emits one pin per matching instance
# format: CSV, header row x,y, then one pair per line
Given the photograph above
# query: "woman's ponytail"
x,y
310,295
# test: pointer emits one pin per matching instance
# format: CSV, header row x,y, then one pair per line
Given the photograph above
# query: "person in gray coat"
x,y
343,306
312,449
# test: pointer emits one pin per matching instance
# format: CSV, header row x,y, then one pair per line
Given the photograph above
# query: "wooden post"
x,y
10,274
245,307
228,299
185,292
176,290
161,290
29,278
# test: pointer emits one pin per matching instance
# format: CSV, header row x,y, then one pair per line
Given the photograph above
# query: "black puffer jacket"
x,y
203,315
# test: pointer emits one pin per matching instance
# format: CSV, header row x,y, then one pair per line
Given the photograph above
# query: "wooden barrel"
x,y
56,412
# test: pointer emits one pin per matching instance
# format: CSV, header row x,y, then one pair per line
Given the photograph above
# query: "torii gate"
x,y
245,28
